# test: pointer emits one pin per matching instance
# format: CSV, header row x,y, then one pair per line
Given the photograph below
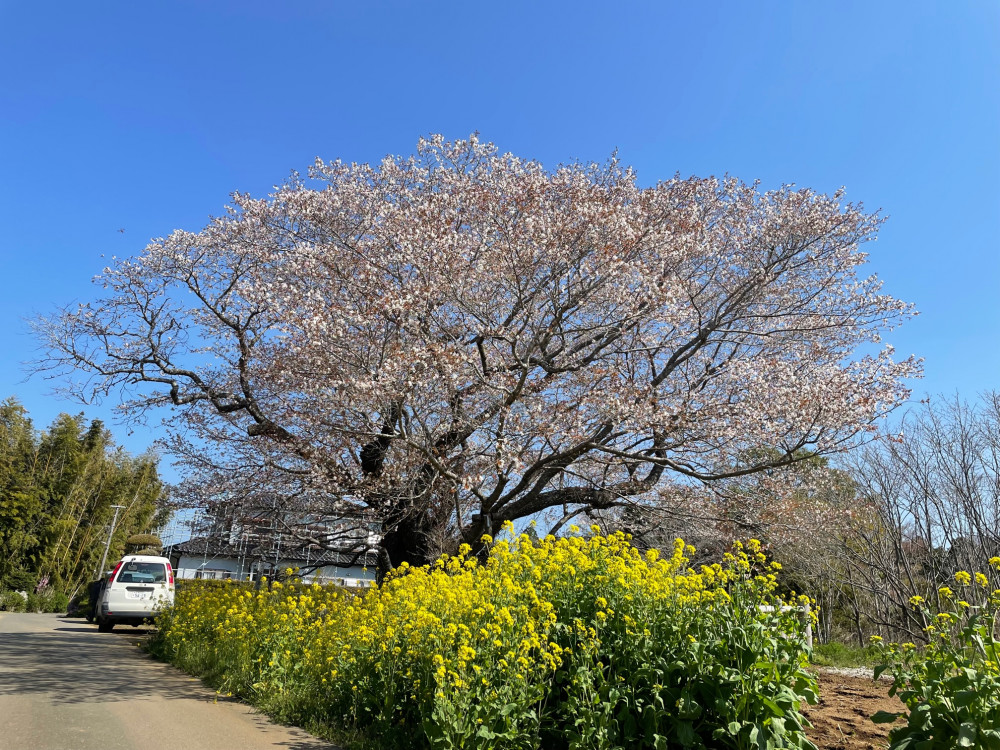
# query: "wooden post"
x,y
807,621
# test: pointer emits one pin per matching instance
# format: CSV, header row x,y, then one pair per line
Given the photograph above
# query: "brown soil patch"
x,y
842,718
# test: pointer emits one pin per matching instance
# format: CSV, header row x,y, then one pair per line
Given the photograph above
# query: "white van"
x,y
138,587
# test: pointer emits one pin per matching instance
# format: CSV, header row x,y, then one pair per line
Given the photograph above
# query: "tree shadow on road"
x,y
75,664
80,665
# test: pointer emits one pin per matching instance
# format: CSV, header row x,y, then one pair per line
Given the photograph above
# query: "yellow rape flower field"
x,y
578,642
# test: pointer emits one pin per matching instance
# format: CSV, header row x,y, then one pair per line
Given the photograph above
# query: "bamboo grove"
x,y
57,489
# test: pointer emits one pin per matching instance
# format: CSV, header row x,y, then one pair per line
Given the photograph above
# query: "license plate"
x,y
136,594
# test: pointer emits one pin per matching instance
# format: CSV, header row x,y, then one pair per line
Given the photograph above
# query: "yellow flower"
x,y
506,624
963,578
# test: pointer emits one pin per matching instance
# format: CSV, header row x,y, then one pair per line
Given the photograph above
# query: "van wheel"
x,y
104,626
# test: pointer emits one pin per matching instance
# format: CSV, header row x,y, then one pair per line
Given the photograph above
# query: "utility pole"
x,y
204,541
171,533
107,546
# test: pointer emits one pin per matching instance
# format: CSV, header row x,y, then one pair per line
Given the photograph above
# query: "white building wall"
x,y
197,566
189,566
354,576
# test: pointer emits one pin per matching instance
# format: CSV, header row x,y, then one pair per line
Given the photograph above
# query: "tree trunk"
x,y
406,541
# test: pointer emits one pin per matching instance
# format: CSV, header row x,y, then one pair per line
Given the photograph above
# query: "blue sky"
x,y
145,116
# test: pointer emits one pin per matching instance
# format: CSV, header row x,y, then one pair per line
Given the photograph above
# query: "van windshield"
x,y
142,572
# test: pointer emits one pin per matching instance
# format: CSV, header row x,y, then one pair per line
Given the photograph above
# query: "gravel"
x,y
864,673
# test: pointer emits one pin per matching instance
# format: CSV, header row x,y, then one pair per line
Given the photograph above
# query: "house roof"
x,y
216,547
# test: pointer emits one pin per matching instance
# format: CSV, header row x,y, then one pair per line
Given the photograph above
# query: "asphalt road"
x,y
64,686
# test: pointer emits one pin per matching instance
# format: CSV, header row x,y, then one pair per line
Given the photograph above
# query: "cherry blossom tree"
x,y
448,341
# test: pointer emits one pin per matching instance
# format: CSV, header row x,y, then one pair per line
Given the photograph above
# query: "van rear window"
x,y
142,572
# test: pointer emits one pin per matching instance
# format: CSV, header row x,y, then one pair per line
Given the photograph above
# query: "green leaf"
x,y
967,734
775,708
685,733
965,697
990,738
885,717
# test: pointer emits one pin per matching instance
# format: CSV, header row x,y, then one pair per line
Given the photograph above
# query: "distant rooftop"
x,y
291,551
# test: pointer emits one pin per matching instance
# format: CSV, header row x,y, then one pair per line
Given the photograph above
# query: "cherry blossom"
x,y
447,341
